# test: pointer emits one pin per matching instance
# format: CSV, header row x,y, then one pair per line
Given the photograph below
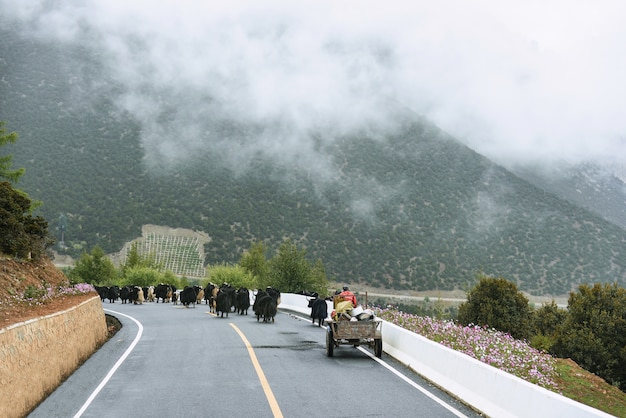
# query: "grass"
x,y
518,358
589,389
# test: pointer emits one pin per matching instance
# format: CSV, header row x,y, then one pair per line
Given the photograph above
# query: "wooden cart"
x,y
355,333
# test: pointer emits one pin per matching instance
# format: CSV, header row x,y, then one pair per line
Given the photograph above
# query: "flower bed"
x,y
487,345
39,295
34,288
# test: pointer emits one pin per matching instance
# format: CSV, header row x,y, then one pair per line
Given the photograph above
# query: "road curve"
x,y
170,361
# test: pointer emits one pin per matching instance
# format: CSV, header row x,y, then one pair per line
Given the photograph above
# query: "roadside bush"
x,y
291,271
549,320
497,303
141,276
255,262
235,275
94,268
594,333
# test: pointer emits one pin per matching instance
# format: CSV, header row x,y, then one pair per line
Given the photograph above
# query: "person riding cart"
x,y
348,296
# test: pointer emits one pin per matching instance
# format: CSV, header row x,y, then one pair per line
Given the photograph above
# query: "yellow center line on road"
x,y
266,386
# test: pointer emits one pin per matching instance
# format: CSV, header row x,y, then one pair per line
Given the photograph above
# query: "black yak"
x,y
188,296
265,306
222,303
319,310
243,301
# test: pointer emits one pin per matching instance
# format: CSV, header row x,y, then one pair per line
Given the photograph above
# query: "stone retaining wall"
x,y
36,356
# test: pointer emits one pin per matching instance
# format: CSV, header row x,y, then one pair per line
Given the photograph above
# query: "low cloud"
x,y
525,83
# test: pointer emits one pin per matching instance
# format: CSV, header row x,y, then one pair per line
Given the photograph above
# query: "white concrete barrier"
x,y
488,389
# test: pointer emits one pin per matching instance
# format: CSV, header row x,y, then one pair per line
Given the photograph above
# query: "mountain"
x,y
601,190
406,208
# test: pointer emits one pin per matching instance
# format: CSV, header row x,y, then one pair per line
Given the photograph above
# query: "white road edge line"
x,y
415,385
401,376
115,367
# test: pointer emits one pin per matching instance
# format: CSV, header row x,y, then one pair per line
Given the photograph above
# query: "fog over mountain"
x,y
519,83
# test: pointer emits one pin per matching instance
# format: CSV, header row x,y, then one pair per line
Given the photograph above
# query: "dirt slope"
x,y
25,278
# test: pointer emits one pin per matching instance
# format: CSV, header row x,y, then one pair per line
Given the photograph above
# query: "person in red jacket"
x,y
348,295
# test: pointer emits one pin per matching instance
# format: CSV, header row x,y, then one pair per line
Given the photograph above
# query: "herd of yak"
x,y
221,299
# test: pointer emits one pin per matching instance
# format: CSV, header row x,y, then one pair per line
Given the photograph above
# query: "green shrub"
x,y
33,292
290,271
233,274
542,342
549,320
93,268
497,303
141,276
594,334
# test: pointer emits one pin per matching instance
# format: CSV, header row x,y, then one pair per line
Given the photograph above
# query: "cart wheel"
x,y
378,347
330,344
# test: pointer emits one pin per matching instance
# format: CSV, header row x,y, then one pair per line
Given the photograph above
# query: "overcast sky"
x,y
517,81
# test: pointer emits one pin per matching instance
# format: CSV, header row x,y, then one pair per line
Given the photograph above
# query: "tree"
x,y
6,161
94,268
497,303
235,275
320,281
549,320
594,333
21,234
134,259
170,278
141,276
255,262
290,271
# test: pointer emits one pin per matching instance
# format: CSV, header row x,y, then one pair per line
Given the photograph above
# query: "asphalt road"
x,y
171,361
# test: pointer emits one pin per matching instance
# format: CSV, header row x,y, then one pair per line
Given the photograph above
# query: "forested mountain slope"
x,y
410,208
595,188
